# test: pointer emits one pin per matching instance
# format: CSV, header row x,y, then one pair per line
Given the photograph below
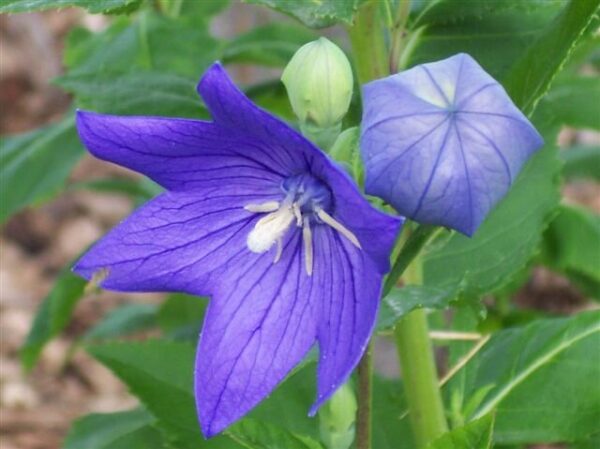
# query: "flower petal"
x,y
176,242
231,109
376,230
179,154
264,317
443,142
260,323
350,293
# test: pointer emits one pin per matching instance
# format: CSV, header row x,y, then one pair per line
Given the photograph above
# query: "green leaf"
x,y
575,101
134,188
495,40
545,380
124,320
510,235
391,426
346,152
464,319
149,66
255,434
581,162
181,316
35,165
403,300
530,78
444,11
93,6
315,14
150,42
592,442
474,435
273,44
272,96
193,10
288,405
572,244
160,374
132,429
144,93
53,315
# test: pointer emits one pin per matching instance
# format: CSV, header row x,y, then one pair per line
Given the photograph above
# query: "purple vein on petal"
x,y
433,170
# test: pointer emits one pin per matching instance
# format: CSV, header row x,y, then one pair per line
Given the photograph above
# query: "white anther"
x,y
308,247
269,229
338,227
297,214
269,206
279,250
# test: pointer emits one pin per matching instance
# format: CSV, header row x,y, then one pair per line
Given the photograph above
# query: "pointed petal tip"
x,y
321,399
213,427
87,123
207,431
214,74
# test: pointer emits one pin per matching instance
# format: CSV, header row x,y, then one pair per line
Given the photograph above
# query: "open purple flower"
x,y
260,219
443,142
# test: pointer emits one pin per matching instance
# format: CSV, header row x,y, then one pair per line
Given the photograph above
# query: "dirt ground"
x,y
36,409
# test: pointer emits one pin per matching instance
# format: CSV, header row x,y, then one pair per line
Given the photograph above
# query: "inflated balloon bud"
x,y
319,83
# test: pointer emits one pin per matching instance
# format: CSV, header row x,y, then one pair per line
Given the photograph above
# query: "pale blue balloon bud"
x,y
319,83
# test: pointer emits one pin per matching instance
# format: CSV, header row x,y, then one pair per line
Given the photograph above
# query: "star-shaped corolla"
x,y
261,220
443,142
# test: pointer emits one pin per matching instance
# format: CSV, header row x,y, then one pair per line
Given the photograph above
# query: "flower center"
x,y
307,202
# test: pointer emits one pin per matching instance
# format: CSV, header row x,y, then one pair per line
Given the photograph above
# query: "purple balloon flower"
x,y
260,219
443,142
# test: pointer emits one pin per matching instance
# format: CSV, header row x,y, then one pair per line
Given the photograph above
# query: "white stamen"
x,y
338,227
297,214
308,247
269,206
279,251
269,229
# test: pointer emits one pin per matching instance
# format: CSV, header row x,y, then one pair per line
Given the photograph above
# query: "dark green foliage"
x,y
53,315
35,165
122,430
93,6
315,14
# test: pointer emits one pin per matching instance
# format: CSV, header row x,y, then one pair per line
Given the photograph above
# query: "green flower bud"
x,y
319,83
336,418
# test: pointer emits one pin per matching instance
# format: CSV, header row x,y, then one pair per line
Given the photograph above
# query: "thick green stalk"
x,y
419,375
368,44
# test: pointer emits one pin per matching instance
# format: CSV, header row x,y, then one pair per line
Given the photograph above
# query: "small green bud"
x,y
336,418
319,83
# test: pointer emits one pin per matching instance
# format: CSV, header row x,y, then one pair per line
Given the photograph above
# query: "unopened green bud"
x,y
336,418
319,83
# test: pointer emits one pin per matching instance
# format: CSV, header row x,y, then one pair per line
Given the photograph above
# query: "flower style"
x,y
257,217
443,142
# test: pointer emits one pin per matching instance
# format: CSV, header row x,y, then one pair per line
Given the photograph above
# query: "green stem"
x,y
411,249
365,387
419,373
368,45
398,34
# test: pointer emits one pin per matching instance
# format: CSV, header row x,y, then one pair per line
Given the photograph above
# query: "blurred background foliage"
x,y
530,278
